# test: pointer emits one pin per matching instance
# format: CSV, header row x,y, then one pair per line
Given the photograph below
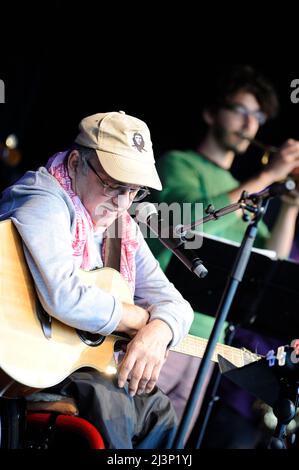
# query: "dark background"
x,y
46,98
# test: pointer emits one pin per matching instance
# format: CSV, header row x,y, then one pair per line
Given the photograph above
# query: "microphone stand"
x,y
258,207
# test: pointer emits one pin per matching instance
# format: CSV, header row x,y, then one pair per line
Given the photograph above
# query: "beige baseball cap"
x,y
123,145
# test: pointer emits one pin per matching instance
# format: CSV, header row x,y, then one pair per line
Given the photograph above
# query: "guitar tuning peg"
x,y
281,356
271,358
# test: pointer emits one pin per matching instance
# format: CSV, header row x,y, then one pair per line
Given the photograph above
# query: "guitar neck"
x,y
194,346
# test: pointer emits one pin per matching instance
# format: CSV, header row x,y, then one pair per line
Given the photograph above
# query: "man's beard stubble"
x,y
222,138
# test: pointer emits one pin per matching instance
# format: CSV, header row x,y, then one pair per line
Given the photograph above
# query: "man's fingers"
x,y
151,382
290,154
137,376
289,143
155,375
146,378
125,368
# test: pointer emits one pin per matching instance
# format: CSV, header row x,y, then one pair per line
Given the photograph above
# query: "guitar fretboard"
x,y
195,346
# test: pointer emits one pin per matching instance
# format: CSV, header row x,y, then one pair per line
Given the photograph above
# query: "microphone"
x,y
275,189
147,214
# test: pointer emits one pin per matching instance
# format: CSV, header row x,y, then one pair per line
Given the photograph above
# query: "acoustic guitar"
x,y
37,351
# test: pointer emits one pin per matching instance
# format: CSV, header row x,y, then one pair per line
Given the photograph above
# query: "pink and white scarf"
x,y
83,243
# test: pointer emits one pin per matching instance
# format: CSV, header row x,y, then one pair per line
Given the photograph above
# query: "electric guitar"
x,y
37,351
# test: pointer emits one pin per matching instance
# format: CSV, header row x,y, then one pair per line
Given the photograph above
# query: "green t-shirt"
x,y
188,177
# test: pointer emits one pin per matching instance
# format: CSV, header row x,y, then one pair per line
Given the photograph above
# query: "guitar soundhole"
x,y
121,345
90,339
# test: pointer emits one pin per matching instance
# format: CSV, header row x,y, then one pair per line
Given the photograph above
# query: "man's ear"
x,y
208,117
73,163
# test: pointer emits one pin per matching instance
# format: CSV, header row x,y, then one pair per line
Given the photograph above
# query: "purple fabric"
x,y
295,252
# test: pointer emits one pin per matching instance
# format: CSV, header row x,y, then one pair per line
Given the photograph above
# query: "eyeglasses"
x,y
113,190
244,112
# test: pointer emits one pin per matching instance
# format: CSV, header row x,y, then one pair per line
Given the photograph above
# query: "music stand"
x,y
275,384
267,300
256,204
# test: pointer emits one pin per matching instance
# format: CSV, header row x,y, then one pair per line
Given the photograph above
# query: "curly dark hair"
x,y
245,78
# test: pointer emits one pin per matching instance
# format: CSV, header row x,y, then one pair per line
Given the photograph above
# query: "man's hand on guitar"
x,y
144,357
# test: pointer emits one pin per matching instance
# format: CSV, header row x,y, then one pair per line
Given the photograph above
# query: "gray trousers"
x,y
139,422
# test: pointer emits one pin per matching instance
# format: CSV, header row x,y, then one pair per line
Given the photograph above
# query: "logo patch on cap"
x,y
138,142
